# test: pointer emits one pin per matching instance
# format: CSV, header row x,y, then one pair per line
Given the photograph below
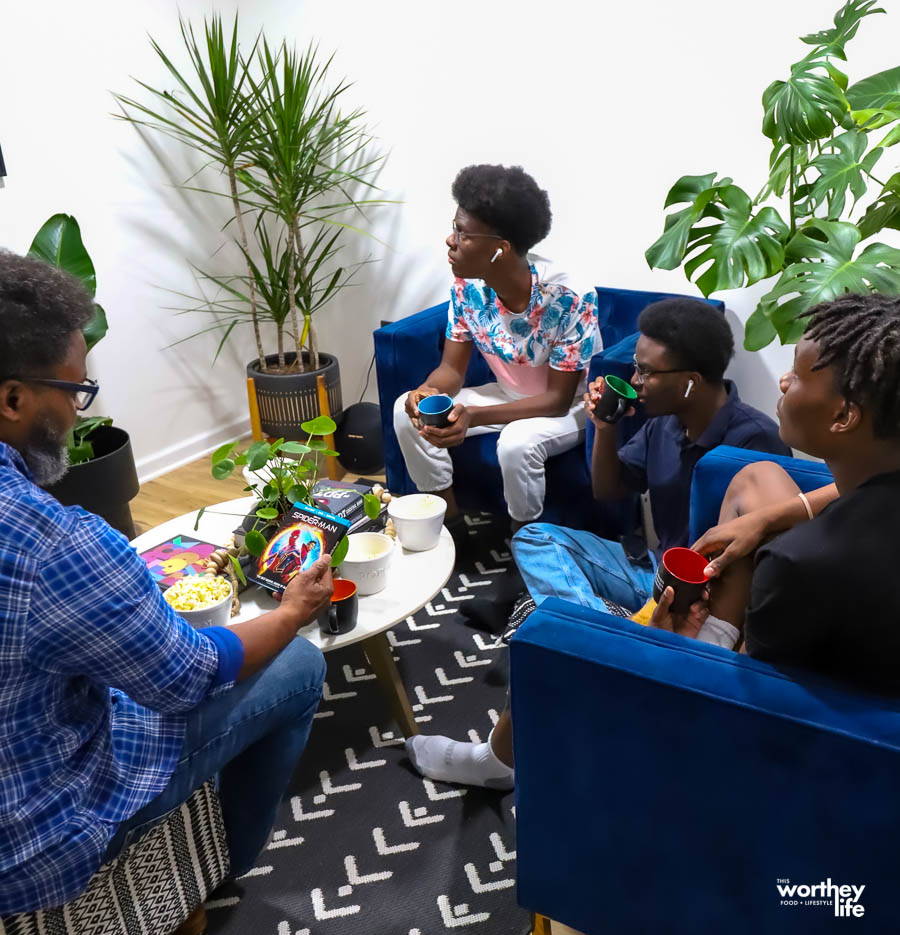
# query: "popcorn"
x,y
197,592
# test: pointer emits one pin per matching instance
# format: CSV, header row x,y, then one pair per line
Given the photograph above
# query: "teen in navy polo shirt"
x,y
680,359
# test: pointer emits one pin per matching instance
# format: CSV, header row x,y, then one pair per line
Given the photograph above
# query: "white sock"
x,y
472,764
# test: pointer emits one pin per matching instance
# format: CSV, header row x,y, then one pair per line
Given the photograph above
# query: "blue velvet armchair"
x,y
665,785
406,351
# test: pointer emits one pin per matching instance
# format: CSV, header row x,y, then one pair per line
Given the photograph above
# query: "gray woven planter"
x,y
286,400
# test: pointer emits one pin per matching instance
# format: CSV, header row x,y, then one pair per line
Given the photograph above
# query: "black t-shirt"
x,y
825,594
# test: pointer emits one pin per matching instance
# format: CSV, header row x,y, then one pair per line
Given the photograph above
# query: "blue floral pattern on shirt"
x,y
559,327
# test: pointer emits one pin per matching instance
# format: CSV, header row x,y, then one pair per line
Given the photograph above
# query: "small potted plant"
x,y
102,476
284,473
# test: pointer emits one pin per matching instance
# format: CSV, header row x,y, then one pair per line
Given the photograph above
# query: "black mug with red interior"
x,y
682,570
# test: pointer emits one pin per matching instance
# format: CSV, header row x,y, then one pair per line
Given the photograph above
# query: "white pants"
x,y
522,448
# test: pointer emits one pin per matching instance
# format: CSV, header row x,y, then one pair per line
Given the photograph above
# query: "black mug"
x,y
434,410
682,570
617,398
340,615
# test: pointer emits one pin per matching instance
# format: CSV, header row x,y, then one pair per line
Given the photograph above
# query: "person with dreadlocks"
x,y
821,595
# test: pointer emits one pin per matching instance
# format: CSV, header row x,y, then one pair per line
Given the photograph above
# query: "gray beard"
x,y
47,458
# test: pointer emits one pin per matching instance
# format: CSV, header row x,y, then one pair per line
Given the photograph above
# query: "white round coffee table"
x,y
413,579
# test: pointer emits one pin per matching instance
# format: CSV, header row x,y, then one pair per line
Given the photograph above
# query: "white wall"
x,y
605,104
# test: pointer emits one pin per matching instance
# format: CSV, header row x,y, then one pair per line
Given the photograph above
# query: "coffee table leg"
x,y
381,659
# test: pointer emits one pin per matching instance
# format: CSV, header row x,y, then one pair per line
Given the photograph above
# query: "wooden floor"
x,y
180,491
185,489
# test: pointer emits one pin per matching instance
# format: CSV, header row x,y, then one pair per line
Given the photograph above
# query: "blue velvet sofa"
x,y
406,351
664,785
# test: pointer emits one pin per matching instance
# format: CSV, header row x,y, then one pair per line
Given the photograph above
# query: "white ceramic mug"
x,y
366,564
418,519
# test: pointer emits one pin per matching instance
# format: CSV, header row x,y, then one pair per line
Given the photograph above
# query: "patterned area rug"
x,y
363,845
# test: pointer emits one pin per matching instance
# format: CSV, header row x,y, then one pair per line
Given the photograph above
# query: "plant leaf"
x,y
669,249
372,505
842,168
267,512
875,101
199,517
59,243
255,542
823,267
321,425
238,571
742,249
96,328
759,331
885,211
295,448
222,469
340,552
299,493
846,22
257,455
807,106
223,451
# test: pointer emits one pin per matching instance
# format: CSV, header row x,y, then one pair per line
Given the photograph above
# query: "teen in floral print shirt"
x,y
535,333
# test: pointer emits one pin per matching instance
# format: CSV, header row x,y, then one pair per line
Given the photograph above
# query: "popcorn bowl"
x,y
201,600
367,561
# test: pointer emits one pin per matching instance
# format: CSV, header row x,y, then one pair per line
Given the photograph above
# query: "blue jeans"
x,y
580,567
252,736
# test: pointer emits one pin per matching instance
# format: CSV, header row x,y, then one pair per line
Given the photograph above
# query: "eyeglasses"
x,y
84,393
641,372
465,235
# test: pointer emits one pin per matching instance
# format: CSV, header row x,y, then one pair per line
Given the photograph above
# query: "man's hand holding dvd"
x,y
305,535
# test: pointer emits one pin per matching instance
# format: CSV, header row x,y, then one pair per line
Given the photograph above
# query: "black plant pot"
x,y
286,400
105,484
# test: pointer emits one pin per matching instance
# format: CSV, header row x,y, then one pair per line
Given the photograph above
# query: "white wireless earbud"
x,y
690,386
498,252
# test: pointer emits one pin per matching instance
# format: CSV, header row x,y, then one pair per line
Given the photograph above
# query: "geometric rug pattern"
x,y
364,845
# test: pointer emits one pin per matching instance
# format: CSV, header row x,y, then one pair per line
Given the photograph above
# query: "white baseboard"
x,y
190,449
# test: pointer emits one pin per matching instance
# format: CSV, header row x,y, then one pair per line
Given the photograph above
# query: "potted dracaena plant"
x,y
281,473
292,165
102,476
830,141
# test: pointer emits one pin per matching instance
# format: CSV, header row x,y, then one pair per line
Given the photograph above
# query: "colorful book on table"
x,y
304,536
178,557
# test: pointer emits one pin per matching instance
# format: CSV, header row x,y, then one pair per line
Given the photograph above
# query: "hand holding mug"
x,y
414,397
608,400
687,624
454,433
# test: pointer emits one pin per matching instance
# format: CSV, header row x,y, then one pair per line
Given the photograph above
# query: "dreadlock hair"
x,y
859,336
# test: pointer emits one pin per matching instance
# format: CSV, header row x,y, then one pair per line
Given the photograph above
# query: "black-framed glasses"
x,y
642,372
84,393
459,235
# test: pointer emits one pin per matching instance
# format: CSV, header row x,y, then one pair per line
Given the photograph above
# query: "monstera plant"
x,y
830,142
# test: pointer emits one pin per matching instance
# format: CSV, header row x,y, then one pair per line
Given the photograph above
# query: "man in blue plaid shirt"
x,y
112,708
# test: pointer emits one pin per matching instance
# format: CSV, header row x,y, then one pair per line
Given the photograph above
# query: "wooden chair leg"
x,y
194,924
253,404
334,471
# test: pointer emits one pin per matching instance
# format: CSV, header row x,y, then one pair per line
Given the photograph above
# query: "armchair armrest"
x,y
667,785
714,471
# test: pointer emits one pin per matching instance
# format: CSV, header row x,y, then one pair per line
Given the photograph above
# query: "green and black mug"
x,y
617,398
